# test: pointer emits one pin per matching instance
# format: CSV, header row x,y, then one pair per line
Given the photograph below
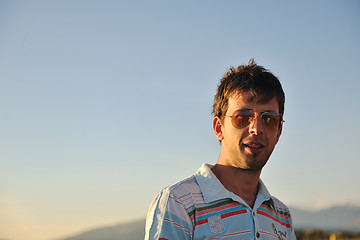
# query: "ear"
x,y
279,133
217,127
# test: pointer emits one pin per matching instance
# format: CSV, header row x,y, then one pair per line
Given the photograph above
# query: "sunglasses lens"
x,y
241,119
271,120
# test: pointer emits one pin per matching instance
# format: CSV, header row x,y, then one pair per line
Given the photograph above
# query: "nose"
x,y
256,125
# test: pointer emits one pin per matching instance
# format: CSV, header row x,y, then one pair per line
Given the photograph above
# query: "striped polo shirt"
x,y
199,207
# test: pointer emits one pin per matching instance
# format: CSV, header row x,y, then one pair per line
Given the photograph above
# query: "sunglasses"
x,y
243,117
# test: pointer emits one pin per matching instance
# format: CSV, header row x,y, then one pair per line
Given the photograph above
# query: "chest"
x,y
234,221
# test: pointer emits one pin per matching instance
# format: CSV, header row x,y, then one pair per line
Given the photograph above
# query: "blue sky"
x,y
104,103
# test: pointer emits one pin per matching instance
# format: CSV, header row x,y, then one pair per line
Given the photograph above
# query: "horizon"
x,y
143,220
105,104
312,210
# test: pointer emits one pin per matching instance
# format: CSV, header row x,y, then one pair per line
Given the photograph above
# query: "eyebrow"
x,y
249,109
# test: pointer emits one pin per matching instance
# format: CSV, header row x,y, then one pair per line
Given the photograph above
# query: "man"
x,y
228,200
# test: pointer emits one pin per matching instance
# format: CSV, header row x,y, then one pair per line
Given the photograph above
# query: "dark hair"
x,y
252,78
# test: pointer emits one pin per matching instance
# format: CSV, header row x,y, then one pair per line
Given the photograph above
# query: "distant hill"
x,y
337,218
342,218
127,231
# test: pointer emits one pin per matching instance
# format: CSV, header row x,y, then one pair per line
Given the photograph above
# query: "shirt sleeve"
x,y
167,218
293,236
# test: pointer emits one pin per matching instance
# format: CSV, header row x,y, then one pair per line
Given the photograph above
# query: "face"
x,y
249,147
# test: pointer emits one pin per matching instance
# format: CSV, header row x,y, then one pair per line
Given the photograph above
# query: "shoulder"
x,y
281,209
279,205
170,211
182,190
178,199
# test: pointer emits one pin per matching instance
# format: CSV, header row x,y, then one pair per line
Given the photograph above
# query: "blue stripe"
x,y
228,210
274,216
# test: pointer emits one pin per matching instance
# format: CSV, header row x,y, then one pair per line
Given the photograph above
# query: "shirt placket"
x,y
256,224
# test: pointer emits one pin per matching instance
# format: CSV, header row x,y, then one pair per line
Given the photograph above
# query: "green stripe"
x,y
215,205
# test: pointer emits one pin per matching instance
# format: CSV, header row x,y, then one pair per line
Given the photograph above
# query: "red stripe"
x,y
271,217
185,198
176,224
273,235
225,215
163,239
231,234
218,209
203,221
286,216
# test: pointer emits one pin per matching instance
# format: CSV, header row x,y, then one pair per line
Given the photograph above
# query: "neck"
x,y
242,182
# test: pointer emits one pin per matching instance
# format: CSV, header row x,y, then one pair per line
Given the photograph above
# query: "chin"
x,y
256,166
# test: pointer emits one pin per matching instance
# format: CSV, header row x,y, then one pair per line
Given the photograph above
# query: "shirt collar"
x,y
263,195
212,189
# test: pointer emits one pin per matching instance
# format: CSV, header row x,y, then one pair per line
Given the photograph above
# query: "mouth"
x,y
254,144
254,147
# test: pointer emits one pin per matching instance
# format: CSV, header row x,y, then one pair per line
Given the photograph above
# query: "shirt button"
x,y
257,235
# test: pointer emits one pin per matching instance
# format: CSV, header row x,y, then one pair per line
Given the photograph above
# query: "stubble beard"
x,y
254,163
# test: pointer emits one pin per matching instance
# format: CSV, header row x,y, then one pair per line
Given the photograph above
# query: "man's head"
x,y
252,78
247,120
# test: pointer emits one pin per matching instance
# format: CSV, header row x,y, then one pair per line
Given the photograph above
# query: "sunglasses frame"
x,y
252,117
